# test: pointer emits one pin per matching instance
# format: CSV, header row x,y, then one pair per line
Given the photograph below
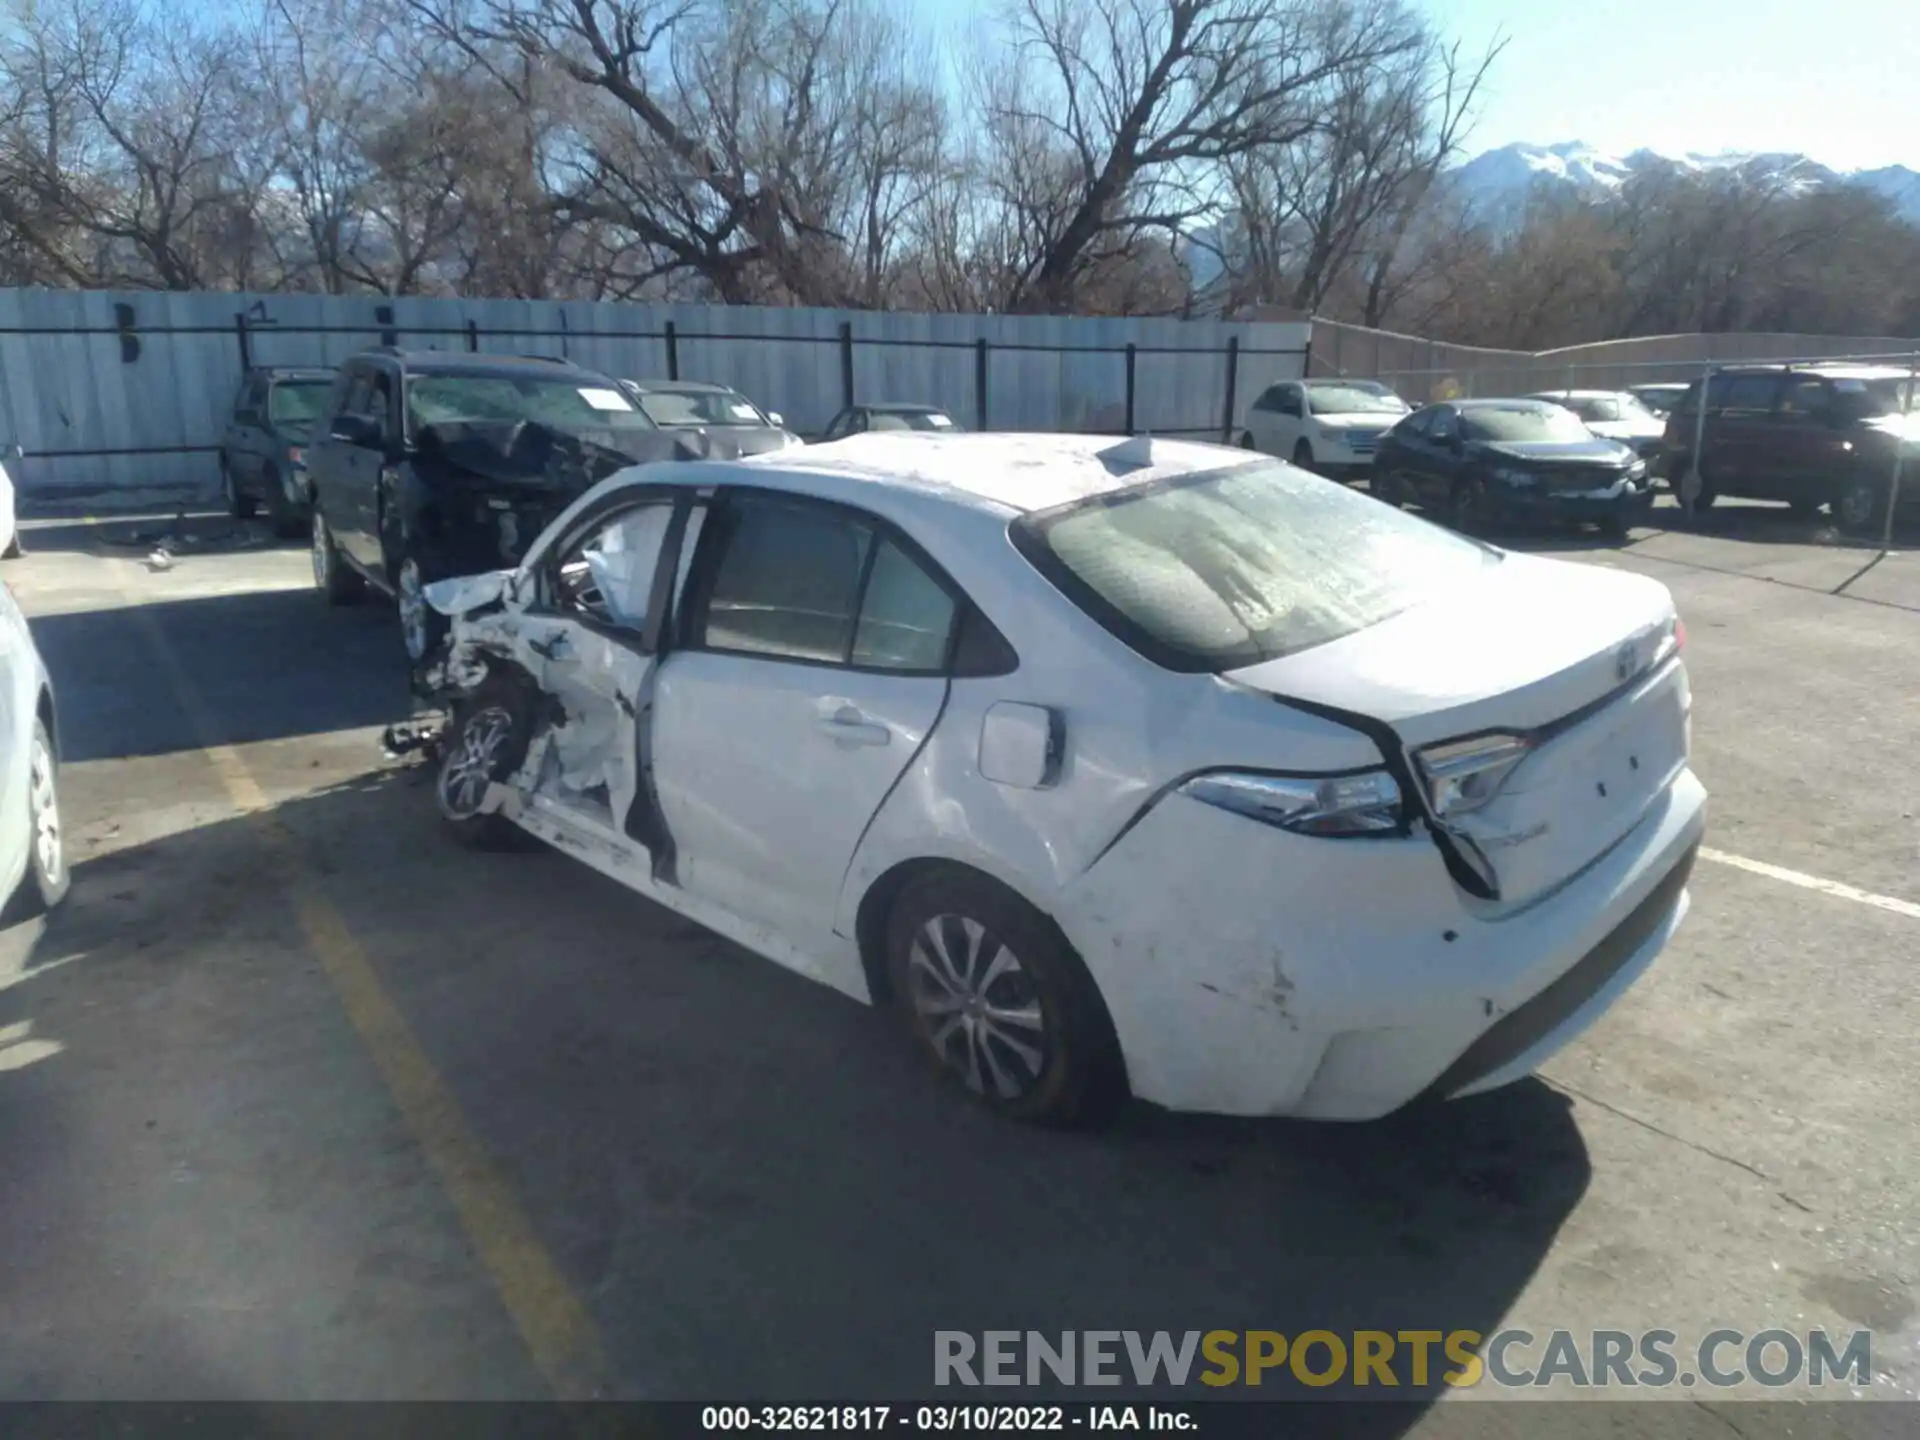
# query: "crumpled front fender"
x,y
463,593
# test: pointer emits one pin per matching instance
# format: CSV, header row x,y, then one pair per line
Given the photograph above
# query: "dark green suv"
x,y
263,455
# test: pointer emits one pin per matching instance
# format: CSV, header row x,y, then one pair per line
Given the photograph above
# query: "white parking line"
x,y
1813,882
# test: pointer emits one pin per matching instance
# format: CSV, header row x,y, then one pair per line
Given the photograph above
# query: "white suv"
x,y
1328,426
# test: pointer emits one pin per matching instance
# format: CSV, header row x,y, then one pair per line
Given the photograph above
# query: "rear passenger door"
x,y
1812,453
812,664
1741,443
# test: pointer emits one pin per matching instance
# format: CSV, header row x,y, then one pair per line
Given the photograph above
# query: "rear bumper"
x,y
1249,971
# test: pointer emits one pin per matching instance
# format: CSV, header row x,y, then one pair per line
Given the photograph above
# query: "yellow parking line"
x,y
553,1322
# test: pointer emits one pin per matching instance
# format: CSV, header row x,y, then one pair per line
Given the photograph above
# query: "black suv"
x,y
436,464
263,455
1810,435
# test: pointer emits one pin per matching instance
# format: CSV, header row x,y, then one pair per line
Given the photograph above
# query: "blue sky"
x,y
1836,79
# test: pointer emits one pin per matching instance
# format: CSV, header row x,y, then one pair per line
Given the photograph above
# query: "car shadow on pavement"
x,y
280,662
754,1184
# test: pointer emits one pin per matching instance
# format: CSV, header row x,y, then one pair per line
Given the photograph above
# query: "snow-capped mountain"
x,y
1500,180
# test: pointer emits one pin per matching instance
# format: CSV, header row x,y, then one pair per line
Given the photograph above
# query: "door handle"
x,y
849,727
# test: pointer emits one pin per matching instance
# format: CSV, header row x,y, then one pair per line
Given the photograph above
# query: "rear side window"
x,y
1231,567
816,583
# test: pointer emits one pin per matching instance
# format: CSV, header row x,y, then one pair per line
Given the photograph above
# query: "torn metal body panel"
x,y
1416,855
477,494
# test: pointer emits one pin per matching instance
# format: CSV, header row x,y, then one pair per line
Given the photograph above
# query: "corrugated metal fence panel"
x,y
94,423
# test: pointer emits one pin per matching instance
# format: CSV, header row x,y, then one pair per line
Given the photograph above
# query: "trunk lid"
x,y
1562,652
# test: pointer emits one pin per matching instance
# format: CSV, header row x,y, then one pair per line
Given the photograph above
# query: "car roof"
x,y
1837,371
899,407
1515,402
1574,395
1007,473
455,362
681,387
296,372
1661,385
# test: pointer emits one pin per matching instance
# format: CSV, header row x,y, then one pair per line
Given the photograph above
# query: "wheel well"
x,y
870,934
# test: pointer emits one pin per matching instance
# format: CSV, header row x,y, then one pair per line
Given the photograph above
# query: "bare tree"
x,y
1115,115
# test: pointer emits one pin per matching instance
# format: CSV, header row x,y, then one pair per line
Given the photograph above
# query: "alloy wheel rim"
x,y
981,1011
413,608
45,797
470,768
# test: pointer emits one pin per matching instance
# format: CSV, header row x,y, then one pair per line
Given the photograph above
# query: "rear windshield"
x,y
1231,567
678,409
1545,423
909,420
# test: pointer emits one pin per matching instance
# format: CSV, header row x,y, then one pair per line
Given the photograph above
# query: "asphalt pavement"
x,y
299,1102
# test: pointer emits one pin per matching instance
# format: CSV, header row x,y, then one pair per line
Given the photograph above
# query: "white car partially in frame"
x,y
1147,766
33,857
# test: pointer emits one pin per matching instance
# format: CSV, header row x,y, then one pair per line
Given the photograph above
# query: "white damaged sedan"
x,y
1141,766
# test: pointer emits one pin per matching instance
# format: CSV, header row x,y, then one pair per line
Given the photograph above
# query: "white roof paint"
x,y
1016,473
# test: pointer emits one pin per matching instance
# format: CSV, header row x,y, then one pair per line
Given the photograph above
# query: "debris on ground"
x,y
420,737
160,559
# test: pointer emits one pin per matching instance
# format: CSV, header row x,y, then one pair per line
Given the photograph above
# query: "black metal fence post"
x,y
846,362
1130,364
673,351
246,342
473,336
389,333
980,383
1233,383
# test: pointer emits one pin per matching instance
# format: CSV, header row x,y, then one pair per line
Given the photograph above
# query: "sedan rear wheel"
x,y
240,505
48,878
993,994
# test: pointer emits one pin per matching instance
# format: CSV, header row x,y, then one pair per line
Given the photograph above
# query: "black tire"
x,y
486,740
286,518
14,549
240,505
423,629
1806,509
1389,489
47,877
1616,527
1861,507
337,582
1246,440
1058,1064
1467,505
1303,455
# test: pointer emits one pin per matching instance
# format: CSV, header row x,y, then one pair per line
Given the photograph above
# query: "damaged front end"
x,y
488,488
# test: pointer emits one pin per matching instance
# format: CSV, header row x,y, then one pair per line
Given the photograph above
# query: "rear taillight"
x,y
1366,803
296,457
1679,634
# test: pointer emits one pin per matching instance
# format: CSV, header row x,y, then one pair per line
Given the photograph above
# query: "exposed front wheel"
x,y
486,742
993,994
1246,440
337,584
1303,455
